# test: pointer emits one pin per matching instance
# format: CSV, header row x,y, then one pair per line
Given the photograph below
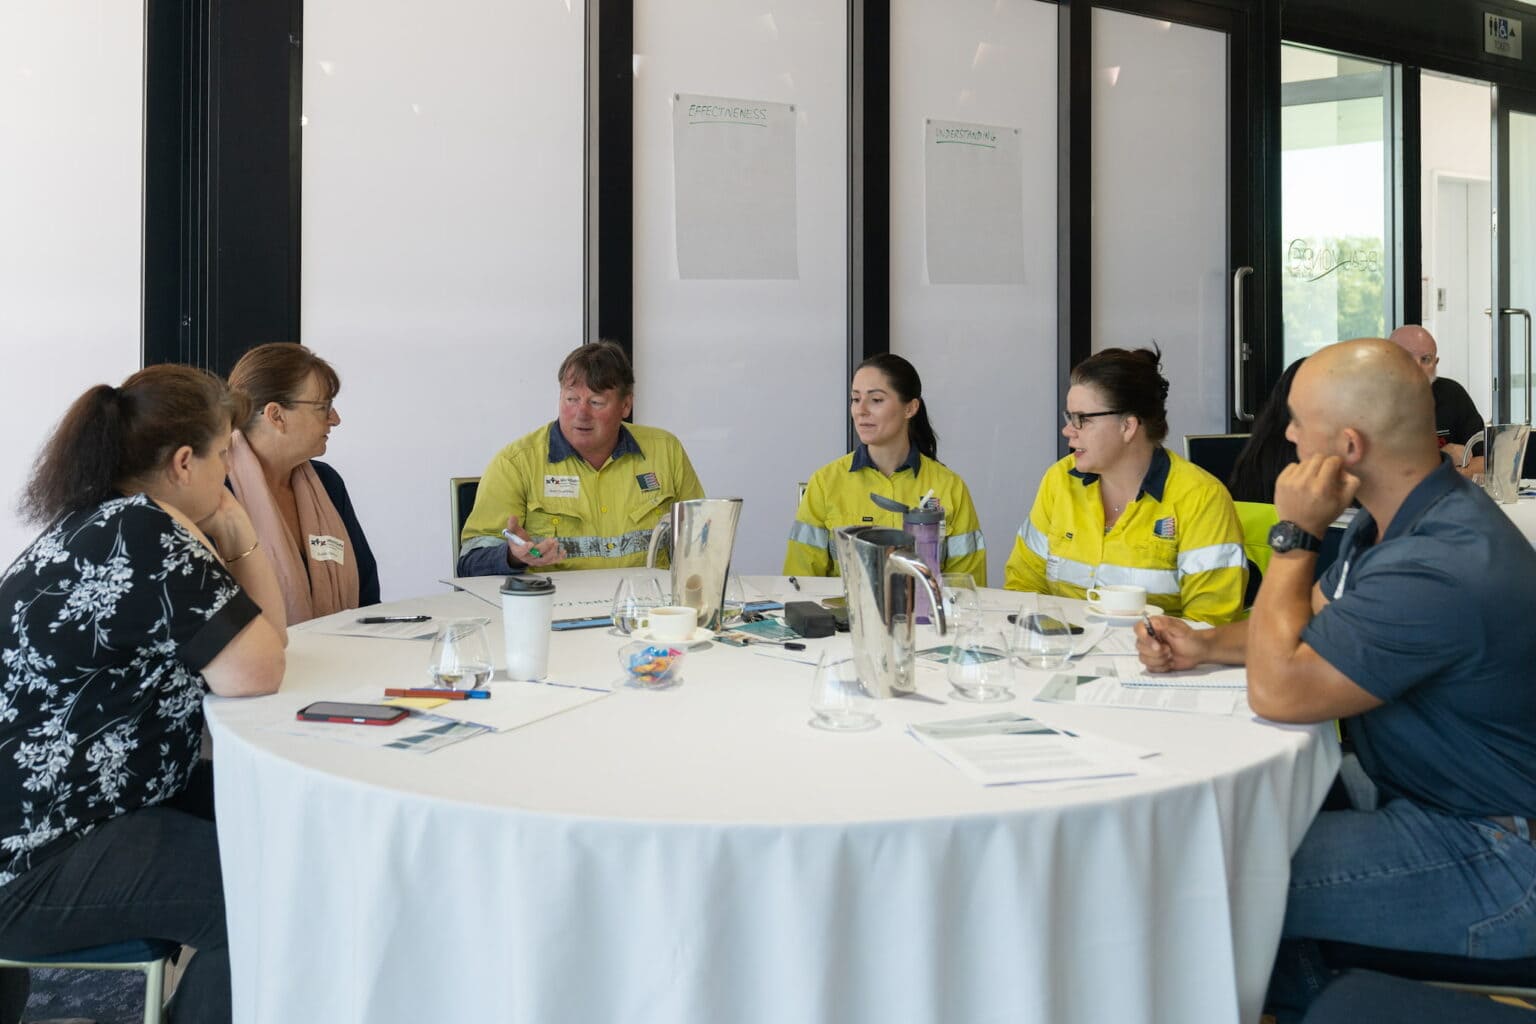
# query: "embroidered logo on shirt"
x,y
1168,528
648,481
562,486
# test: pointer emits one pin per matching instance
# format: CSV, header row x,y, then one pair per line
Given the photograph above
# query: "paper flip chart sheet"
x,y
974,182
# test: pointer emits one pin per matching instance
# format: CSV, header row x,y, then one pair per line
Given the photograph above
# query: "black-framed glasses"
x,y
1075,420
325,406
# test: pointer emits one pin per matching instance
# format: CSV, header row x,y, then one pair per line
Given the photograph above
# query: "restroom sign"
x,y
1501,35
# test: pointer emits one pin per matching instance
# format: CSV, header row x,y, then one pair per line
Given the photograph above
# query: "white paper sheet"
x,y
734,177
1073,688
1007,748
974,181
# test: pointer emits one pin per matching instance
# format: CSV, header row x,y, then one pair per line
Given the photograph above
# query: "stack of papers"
x,y
1206,691
1007,748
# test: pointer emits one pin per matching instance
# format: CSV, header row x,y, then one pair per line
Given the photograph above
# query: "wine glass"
x,y
461,658
633,599
839,702
980,669
1041,636
962,604
734,604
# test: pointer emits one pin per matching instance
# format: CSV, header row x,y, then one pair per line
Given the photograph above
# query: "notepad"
x,y
1195,679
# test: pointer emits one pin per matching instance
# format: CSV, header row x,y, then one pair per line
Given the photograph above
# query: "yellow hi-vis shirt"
x,y
1180,539
602,517
838,496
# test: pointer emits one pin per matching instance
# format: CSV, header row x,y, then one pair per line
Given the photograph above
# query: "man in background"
x,y
583,491
1456,415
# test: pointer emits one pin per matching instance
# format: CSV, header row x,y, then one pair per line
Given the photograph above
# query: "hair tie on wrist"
x,y
254,545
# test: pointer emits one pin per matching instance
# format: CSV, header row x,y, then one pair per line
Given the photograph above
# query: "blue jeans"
x,y
149,873
1403,877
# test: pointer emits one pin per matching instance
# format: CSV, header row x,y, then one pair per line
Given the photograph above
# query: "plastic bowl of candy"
x,y
651,666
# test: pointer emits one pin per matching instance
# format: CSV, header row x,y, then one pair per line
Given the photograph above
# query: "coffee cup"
x,y
673,623
1119,598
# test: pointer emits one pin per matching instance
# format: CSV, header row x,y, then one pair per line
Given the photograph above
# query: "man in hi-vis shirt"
x,y
581,492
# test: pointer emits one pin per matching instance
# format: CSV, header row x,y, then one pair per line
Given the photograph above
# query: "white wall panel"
x,y
749,374
442,244
987,353
71,182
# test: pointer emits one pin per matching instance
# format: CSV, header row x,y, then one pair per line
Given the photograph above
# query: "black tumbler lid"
x,y
525,585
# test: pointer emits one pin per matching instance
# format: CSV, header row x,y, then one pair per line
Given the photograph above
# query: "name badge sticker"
x,y
562,486
323,548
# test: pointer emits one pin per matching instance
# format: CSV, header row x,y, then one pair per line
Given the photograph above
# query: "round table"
x,y
702,854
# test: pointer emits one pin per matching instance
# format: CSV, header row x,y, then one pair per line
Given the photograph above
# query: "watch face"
x,y
1287,536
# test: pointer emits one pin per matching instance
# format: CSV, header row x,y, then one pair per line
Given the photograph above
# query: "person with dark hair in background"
x,y
147,587
300,506
897,457
583,491
1123,509
1268,450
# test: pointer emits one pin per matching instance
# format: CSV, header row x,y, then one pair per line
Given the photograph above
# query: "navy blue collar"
x,y
560,449
861,460
1153,483
1441,481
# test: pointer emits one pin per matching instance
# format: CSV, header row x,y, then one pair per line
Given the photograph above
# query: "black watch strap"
x,y
1287,536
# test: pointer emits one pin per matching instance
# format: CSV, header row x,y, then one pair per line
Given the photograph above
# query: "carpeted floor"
x,y
106,997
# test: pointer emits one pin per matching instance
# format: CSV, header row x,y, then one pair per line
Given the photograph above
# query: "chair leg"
x,y
154,992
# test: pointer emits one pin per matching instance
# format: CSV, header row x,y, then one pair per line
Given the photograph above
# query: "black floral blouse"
x,y
106,622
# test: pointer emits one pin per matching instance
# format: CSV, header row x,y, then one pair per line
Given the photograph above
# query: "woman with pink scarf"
x,y
298,506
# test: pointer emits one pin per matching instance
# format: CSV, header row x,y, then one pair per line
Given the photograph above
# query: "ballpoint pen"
x,y
794,583
1146,620
513,538
377,620
427,691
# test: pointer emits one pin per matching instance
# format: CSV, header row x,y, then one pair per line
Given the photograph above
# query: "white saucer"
x,y
698,638
1105,613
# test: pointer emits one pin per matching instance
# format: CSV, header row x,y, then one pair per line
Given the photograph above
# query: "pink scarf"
x,y
325,579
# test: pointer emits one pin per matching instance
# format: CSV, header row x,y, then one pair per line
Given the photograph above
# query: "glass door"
x,y
1336,175
1514,291
1177,202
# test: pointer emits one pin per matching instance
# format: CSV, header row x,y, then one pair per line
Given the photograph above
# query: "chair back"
x,y
461,499
1215,453
1256,519
147,956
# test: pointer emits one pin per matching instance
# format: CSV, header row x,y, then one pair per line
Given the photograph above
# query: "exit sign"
x,y
1501,35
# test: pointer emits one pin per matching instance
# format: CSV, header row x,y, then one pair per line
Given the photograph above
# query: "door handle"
x,y
1240,348
1525,315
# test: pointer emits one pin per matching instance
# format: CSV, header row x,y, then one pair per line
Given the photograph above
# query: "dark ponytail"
x,y
907,385
114,436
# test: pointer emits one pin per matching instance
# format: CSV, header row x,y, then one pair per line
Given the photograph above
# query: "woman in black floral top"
x,y
146,586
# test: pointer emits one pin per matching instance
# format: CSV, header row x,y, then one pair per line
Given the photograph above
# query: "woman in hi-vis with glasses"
x,y
1123,509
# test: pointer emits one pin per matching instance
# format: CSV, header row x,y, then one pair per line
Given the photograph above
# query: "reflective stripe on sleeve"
x,y
1208,559
1153,581
810,536
1065,570
957,544
1035,540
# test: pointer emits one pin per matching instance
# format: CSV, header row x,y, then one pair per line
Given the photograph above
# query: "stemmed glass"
x,y
633,599
839,701
962,604
461,658
979,667
1041,636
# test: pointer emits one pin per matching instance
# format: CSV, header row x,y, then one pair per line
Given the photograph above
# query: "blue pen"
x,y
513,538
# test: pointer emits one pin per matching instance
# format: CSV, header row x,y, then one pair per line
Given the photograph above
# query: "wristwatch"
x,y
1287,536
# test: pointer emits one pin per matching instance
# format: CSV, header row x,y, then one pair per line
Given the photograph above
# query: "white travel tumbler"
x,y
527,605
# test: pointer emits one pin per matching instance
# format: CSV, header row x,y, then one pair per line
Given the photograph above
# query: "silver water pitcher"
x,y
882,574
702,533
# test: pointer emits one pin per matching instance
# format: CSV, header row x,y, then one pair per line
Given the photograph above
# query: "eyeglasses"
x,y
1075,420
325,407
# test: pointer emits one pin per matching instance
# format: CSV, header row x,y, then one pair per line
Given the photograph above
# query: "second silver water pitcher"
x,y
702,533
882,574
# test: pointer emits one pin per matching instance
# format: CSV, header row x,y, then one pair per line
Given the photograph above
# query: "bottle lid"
x,y
922,517
525,585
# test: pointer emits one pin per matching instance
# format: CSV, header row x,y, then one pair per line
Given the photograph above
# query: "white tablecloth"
x,y
702,855
1523,512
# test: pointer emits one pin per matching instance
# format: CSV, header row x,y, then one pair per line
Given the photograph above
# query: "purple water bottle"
x,y
924,524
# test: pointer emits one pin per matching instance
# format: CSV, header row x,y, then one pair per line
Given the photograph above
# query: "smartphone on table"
x,y
353,714
1046,623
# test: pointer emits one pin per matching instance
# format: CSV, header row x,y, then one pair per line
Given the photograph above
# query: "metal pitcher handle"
x,y
663,526
914,567
1466,451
